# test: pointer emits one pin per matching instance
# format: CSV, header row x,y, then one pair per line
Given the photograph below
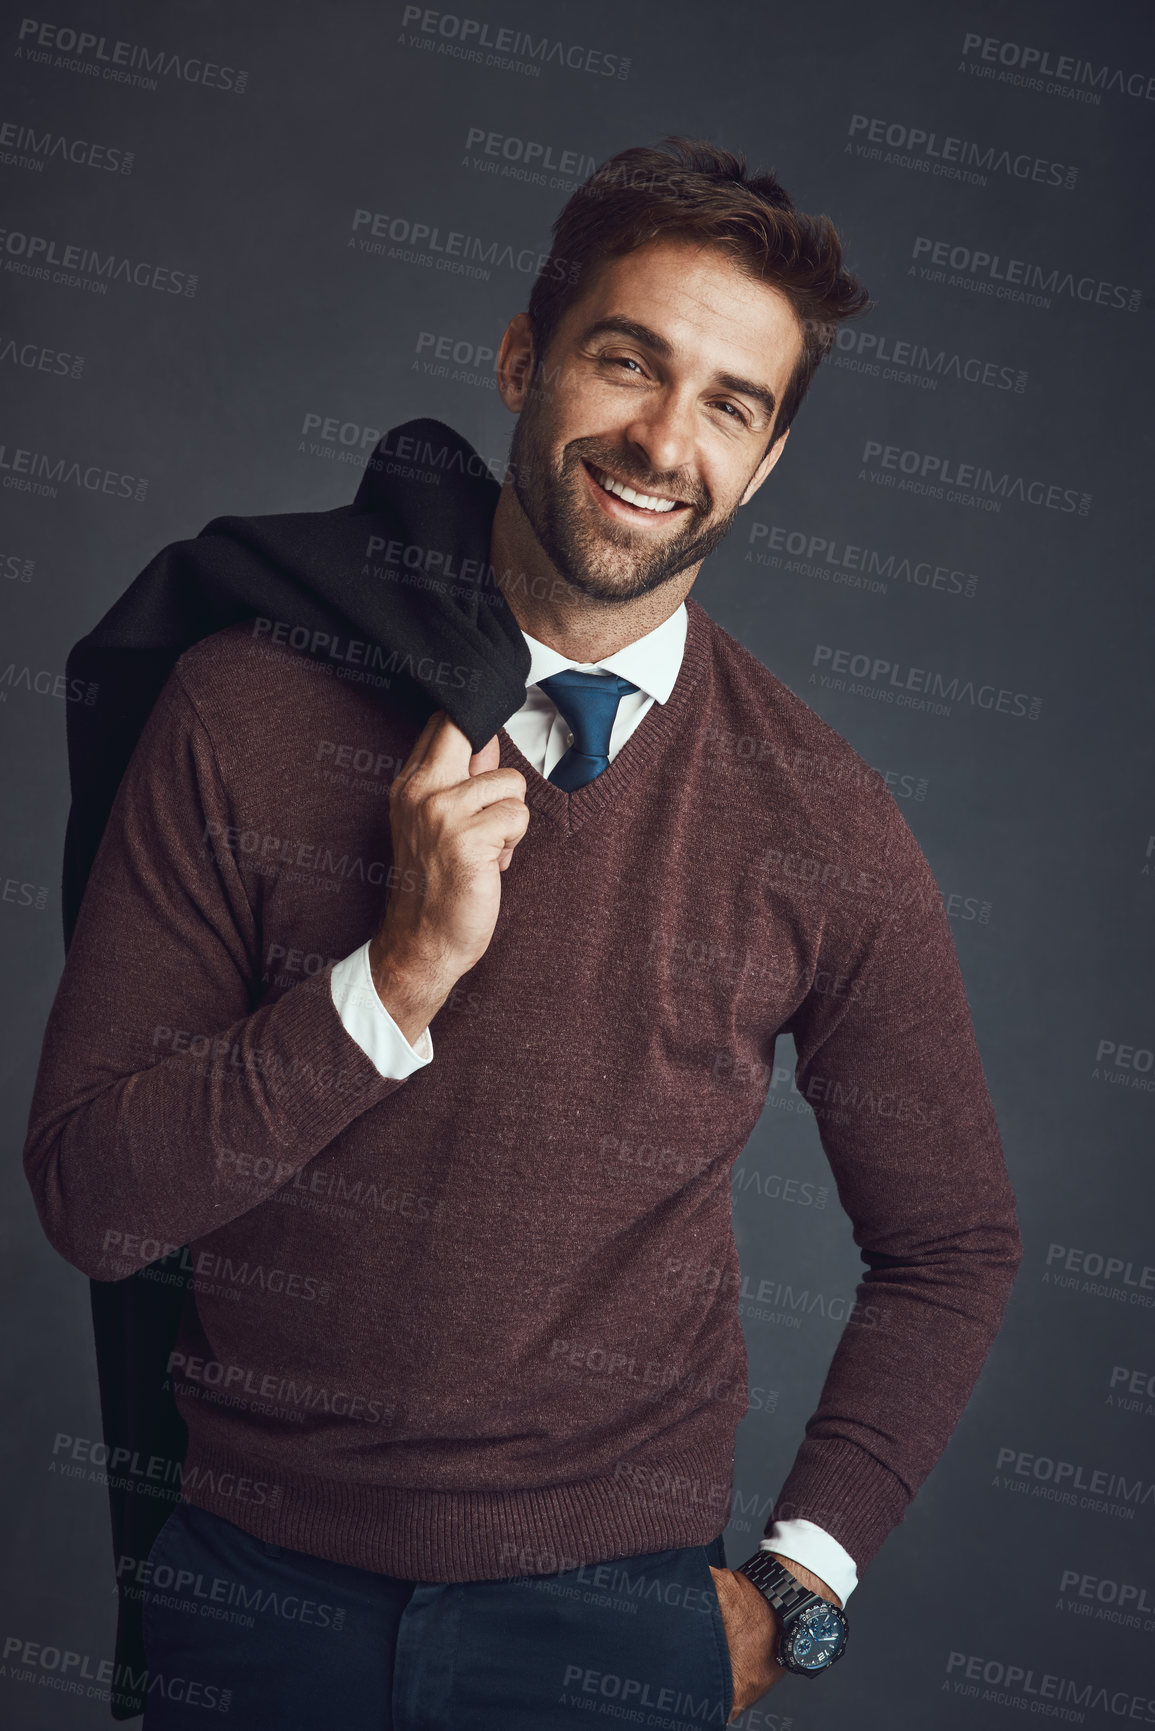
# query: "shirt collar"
x,y
650,662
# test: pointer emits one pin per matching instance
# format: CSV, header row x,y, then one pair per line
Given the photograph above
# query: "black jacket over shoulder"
x,y
403,572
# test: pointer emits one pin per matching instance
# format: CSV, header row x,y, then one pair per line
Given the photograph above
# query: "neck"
x,y
580,627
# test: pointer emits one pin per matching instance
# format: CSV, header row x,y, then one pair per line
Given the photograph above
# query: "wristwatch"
x,y
813,1632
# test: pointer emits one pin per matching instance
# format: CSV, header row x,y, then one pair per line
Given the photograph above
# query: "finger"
x,y
440,755
506,855
489,757
464,799
421,744
446,757
500,825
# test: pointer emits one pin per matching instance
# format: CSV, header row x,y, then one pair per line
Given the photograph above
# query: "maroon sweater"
x,y
448,1325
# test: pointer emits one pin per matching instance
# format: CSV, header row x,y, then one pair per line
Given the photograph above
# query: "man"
x,y
464,1365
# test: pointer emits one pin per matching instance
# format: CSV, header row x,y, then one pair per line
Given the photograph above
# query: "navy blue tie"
x,y
589,702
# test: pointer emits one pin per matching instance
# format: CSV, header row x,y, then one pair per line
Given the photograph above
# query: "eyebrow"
x,y
616,324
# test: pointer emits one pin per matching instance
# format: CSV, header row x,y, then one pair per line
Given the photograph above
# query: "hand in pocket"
x,y
751,1627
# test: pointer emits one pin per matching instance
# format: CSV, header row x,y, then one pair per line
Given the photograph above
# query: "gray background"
x,y
1039,830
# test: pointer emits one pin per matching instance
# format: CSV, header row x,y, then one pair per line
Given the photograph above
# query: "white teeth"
x,y
643,500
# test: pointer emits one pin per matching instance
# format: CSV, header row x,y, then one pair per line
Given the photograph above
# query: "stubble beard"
x,y
603,560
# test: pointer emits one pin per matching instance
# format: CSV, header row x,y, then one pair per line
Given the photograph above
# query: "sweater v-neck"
x,y
570,811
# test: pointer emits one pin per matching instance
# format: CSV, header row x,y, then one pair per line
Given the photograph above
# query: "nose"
x,y
663,431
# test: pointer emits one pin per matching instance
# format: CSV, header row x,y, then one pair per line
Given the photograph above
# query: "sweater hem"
x,y
473,1535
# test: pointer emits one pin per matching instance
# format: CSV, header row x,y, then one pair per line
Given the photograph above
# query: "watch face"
x,y
816,1638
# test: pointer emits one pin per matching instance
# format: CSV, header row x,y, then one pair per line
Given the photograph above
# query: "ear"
x,y
765,466
515,363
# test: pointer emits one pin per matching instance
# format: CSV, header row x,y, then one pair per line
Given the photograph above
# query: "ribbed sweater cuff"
x,y
844,1490
323,1080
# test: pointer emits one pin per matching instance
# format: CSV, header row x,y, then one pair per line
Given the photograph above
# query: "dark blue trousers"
x,y
248,1635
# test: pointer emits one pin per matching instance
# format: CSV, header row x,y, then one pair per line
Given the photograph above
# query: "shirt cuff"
x,y
366,1019
813,1547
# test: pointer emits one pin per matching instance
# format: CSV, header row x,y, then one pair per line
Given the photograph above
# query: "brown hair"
x,y
689,187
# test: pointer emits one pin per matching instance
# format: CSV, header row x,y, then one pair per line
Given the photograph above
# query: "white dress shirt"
x,y
541,733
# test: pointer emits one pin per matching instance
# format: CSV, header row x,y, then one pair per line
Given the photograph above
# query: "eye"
x,y
735,411
623,361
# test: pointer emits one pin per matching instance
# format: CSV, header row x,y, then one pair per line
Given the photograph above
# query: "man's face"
x,y
662,378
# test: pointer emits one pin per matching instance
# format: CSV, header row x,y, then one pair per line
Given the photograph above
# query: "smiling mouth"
x,y
653,504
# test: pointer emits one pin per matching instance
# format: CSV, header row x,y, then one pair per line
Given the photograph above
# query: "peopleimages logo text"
x,y
945,472
525,158
24,147
934,153
1021,1686
125,62
469,35
455,247
31,254
846,557
1038,63
933,688
907,357
1020,278
44,473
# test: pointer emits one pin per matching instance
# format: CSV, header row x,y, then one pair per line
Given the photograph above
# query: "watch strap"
x,y
786,1594
776,1583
